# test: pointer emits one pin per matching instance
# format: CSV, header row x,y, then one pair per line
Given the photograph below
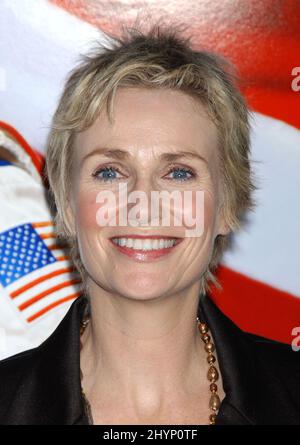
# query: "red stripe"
x,y
33,283
51,306
257,307
47,235
38,297
279,104
62,258
56,247
42,224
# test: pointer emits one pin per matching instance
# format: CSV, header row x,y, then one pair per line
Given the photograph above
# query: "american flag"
x,y
34,269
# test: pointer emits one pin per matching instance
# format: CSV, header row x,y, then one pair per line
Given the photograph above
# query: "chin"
x,y
141,288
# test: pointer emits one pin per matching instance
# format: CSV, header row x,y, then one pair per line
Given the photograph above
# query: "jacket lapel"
x,y
236,364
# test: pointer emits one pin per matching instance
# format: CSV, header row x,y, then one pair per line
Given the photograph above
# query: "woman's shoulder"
x,y
273,348
66,332
15,371
246,345
16,365
35,382
277,362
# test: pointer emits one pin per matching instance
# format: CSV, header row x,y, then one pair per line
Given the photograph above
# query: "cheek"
x,y
86,209
87,230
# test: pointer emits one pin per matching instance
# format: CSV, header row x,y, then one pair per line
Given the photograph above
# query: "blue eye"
x,y
109,174
181,174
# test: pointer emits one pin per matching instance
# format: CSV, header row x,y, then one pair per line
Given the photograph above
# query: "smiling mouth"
x,y
145,248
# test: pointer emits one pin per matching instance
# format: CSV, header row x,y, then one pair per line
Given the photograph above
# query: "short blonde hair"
x,y
157,58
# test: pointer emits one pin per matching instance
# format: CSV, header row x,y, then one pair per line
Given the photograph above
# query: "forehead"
x,y
149,122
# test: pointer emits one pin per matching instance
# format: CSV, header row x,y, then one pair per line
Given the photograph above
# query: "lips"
x,y
145,248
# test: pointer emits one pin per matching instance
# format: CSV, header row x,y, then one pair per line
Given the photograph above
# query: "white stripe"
x,y
52,298
37,274
44,286
44,229
58,253
52,241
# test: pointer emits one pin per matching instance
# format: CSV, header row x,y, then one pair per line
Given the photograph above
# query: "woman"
x,y
144,344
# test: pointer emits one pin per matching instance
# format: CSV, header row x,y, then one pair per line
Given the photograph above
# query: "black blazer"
x,y
261,377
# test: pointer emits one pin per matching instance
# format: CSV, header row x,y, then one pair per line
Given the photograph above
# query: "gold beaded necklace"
x,y
212,373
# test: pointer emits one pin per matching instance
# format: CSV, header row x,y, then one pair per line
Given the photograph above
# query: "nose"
x,y
139,203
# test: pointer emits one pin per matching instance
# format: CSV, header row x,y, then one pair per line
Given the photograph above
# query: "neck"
x,y
143,353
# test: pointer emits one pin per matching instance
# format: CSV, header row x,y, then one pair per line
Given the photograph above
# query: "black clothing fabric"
x,y
261,377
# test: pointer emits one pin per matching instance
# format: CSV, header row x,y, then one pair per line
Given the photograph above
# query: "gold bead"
x,y
212,419
209,347
214,402
212,374
203,328
205,338
83,325
211,358
213,387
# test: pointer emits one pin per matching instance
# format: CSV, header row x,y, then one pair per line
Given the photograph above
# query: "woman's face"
x,y
161,140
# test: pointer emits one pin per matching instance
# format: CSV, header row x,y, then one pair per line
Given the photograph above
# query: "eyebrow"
x,y
119,154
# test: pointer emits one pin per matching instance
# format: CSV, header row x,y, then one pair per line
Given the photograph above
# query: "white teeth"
x,y
147,244
144,244
128,242
137,244
161,244
154,244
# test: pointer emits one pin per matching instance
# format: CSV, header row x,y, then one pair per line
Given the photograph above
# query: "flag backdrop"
x,y
37,280
40,41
